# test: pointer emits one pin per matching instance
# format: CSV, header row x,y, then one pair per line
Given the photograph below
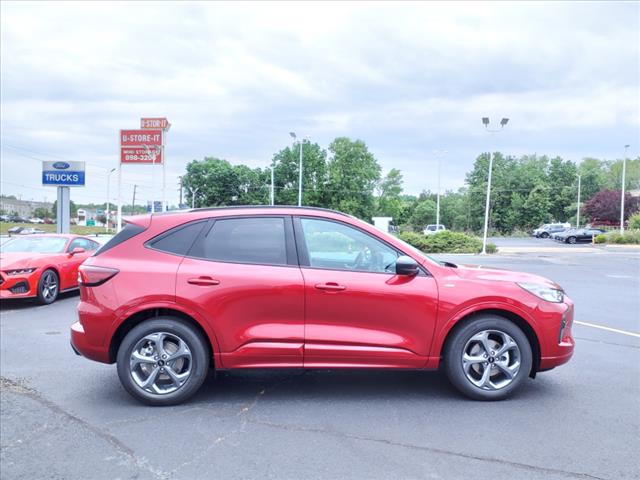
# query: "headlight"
x,y
544,292
20,271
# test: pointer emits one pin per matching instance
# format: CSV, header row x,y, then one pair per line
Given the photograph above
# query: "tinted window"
x,y
178,240
337,246
85,243
130,230
245,240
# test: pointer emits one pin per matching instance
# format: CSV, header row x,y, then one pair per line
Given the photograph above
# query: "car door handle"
x,y
330,286
203,281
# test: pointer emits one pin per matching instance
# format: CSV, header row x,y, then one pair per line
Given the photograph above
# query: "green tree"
x,y
423,214
389,200
353,173
73,209
314,175
41,212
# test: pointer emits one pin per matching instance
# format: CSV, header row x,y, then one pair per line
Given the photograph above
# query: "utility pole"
x,y
624,180
180,180
133,203
193,196
438,155
107,212
293,135
485,121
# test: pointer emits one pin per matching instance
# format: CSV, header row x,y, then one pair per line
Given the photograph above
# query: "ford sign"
x,y
63,174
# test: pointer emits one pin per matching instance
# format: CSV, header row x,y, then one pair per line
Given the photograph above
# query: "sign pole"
x,y
63,211
119,197
164,174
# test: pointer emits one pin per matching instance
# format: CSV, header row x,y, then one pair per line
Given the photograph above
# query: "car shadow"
x,y
10,304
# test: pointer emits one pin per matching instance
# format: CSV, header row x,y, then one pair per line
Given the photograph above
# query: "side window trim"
x,y
291,250
303,252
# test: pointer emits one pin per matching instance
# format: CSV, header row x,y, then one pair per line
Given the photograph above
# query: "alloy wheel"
x,y
491,360
49,285
160,363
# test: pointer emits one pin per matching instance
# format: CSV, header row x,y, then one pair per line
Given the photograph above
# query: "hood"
x,y
15,260
478,272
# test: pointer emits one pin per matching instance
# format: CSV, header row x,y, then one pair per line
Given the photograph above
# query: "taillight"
x,y
92,276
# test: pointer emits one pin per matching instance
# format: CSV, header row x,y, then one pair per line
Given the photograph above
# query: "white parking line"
x,y
609,329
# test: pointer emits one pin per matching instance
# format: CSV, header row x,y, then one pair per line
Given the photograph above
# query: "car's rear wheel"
x,y
163,361
488,358
544,235
571,240
48,287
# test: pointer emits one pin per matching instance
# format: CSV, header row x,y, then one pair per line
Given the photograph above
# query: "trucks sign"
x,y
63,174
137,138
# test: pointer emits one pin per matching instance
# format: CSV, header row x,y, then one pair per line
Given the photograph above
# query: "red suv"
x,y
173,295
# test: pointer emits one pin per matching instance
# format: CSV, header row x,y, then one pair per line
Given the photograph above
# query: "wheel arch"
x,y
513,317
149,313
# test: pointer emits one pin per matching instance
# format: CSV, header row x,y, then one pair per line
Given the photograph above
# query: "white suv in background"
x,y
433,228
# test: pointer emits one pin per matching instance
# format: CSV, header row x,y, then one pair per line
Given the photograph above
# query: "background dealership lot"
x,y
582,421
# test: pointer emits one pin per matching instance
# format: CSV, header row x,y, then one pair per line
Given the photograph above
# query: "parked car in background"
x,y
15,230
36,220
4,218
546,230
31,231
42,266
173,295
433,228
49,221
576,235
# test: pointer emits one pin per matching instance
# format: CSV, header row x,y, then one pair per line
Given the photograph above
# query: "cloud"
x,y
234,79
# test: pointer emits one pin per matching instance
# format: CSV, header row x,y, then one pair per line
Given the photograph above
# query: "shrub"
x,y
492,248
444,242
602,238
629,237
634,221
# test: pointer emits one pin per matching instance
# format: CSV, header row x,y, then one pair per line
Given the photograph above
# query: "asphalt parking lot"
x,y
65,417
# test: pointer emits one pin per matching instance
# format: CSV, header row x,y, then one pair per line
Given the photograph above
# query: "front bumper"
x,y
559,340
18,286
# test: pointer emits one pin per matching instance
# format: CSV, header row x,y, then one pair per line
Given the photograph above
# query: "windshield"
x,y
36,245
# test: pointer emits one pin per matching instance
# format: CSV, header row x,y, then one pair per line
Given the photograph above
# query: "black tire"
x,y
176,328
571,240
46,293
454,353
544,235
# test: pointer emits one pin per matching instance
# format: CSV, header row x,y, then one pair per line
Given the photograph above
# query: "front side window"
x,y
85,243
258,240
334,245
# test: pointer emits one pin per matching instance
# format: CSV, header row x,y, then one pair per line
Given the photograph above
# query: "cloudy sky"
x,y
234,79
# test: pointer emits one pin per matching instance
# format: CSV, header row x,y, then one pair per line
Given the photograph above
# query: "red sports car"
x,y
42,266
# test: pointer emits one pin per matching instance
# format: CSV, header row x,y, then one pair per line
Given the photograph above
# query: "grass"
x,y
77,229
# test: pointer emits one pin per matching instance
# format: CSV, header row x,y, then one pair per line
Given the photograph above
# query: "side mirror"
x,y
406,266
76,250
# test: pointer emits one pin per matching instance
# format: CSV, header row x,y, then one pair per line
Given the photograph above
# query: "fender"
x,y
173,306
441,334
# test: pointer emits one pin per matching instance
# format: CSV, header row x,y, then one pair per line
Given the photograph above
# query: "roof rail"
x,y
241,207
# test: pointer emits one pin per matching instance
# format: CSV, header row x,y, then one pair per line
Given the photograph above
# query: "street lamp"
x,y
485,122
193,196
438,154
108,186
624,171
272,193
293,135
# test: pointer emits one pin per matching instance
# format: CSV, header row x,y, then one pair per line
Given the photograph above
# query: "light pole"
x,y
193,196
293,135
108,186
438,154
624,171
272,185
485,122
578,204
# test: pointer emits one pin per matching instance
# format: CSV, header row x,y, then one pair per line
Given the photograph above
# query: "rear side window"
x,y
130,230
260,240
178,240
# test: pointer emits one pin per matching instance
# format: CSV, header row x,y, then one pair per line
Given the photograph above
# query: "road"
x,y
65,417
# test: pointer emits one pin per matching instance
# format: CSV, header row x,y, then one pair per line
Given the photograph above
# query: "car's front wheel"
x,y
571,240
48,287
163,361
544,235
488,358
